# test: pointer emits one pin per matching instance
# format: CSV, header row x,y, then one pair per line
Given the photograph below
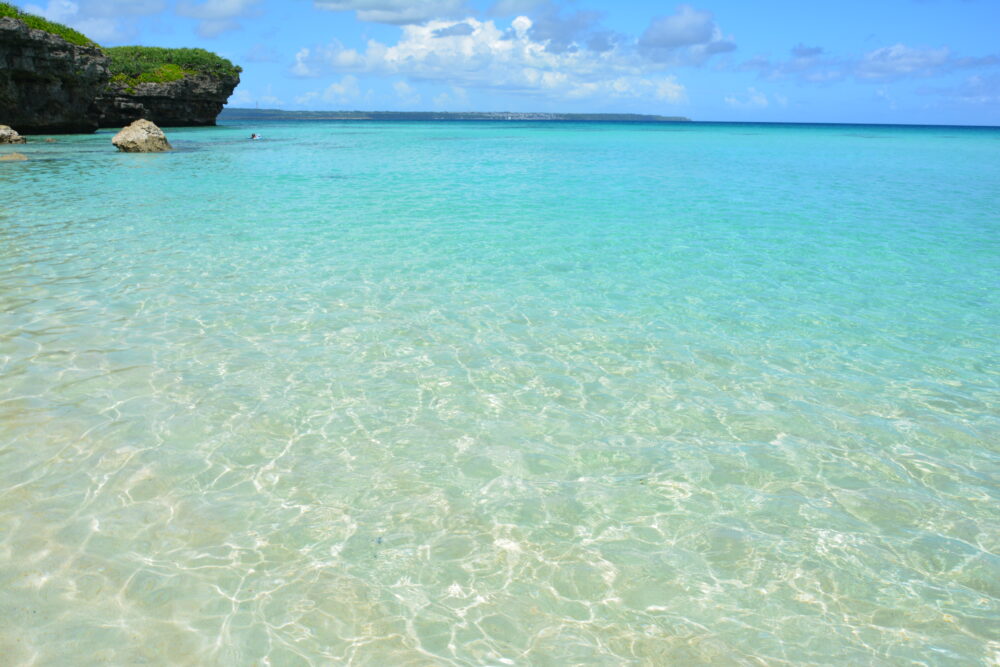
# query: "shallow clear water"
x,y
502,393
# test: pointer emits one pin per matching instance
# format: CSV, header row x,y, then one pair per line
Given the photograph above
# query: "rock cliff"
x,y
48,85
54,79
193,100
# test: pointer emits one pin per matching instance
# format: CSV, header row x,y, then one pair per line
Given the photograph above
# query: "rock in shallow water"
x,y
10,136
13,157
142,136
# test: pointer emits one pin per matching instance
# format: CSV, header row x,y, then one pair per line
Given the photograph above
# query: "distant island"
x,y
278,114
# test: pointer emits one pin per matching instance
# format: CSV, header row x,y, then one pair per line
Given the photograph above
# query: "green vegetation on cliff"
x,y
38,23
132,65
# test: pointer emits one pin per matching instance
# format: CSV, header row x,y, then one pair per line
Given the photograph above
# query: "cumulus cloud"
x,y
689,36
346,90
753,99
489,57
398,12
216,16
563,32
456,30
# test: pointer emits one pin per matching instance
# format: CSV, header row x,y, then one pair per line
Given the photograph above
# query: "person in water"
x,y
255,137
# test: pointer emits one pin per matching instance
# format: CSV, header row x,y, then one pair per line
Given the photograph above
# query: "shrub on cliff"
x,y
38,23
131,65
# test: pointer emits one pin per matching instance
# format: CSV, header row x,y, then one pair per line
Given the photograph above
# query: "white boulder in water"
x,y
10,136
142,136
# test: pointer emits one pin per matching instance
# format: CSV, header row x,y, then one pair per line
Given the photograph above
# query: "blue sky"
x,y
880,61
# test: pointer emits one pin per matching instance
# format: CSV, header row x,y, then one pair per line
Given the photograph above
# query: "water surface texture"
x,y
502,394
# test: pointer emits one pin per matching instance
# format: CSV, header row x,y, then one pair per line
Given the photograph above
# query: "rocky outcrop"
x,y
141,136
9,136
193,100
47,85
13,157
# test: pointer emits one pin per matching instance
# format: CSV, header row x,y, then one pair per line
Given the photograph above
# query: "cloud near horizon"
x,y
484,56
887,63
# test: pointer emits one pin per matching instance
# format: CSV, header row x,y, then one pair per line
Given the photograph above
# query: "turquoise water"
x,y
502,394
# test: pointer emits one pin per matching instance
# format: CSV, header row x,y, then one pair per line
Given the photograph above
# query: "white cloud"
x,y
754,99
345,90
808,63
458,98
491,58
62,11
101,20
980,89
334,56
690,36
398,12
244,97
115,20
241,97
217,16
888,63
103,30
900,60
407,94
307,98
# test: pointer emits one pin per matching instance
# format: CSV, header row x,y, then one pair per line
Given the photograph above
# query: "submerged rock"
x,y
10,136
142,136
48,85
13,157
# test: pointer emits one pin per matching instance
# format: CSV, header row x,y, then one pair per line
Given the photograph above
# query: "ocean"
x,y
502,393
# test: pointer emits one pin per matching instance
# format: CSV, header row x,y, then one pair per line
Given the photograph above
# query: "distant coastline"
x,y
278,114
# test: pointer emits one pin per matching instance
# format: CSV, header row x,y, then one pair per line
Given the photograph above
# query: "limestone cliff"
x,y
48,85
54,79
195,99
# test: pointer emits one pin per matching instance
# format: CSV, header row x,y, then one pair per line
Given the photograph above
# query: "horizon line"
x,y
615,113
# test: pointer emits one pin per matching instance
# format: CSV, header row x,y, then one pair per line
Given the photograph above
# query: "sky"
x,y
874,61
